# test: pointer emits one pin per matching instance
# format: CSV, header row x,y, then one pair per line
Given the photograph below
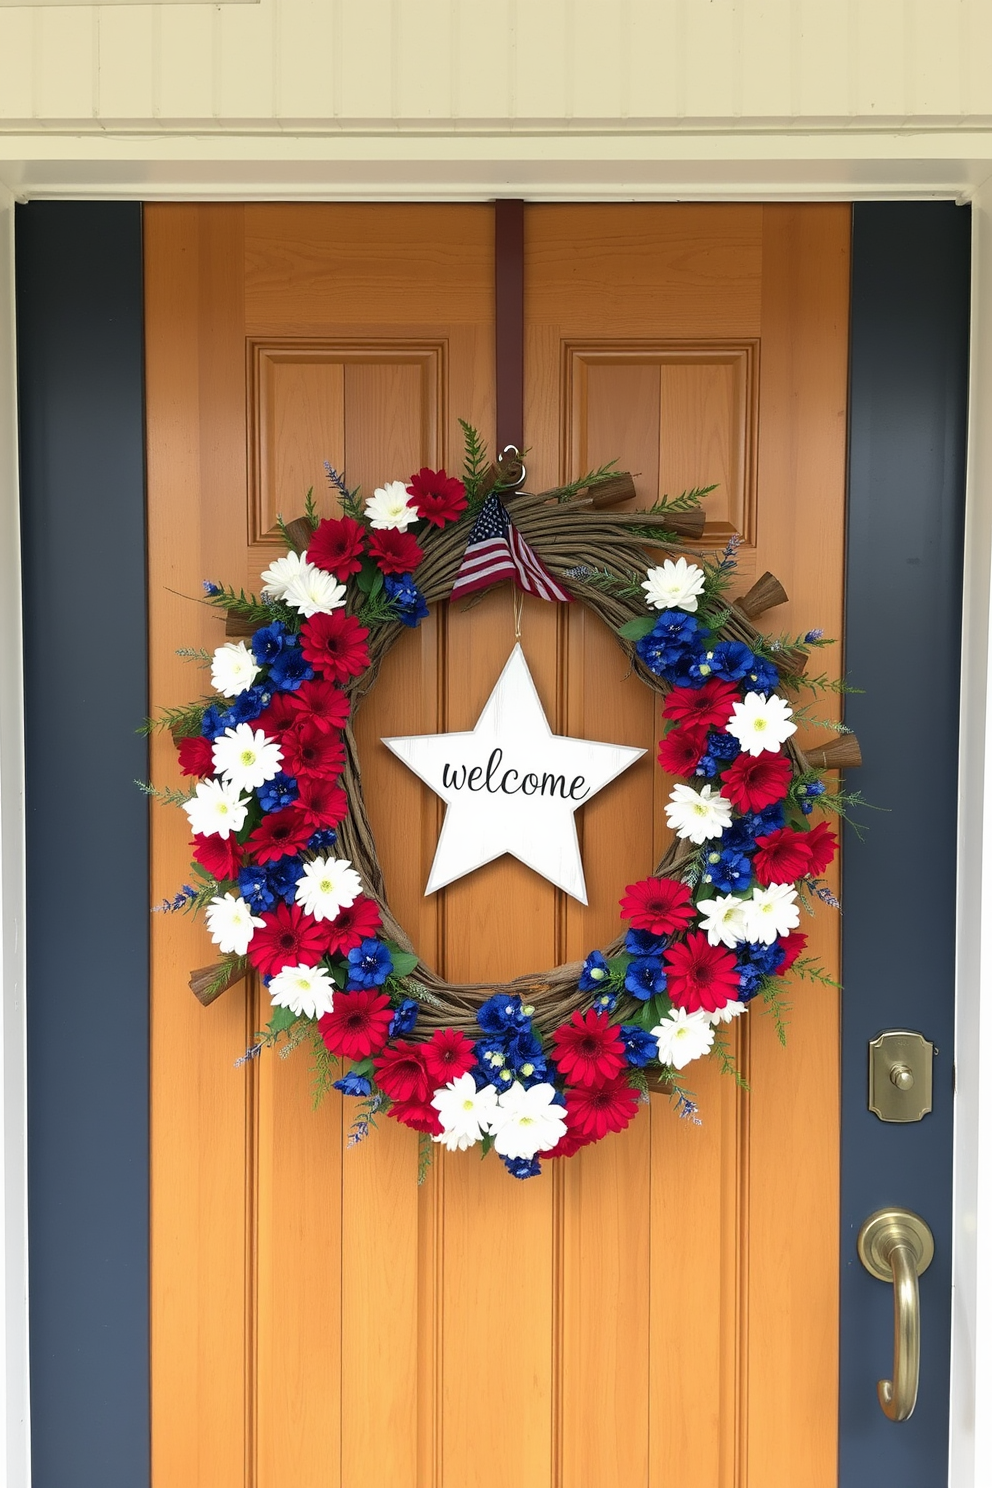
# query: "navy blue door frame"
x,y
80,319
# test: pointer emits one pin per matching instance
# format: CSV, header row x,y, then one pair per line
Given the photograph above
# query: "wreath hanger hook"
x,y
509,459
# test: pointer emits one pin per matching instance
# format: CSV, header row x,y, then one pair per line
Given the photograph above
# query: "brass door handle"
x,y
897,1245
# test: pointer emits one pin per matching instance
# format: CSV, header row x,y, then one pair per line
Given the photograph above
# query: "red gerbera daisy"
x,y
588,1051
709,706
448,1055
353,925
395,552
660,905
279,835
358,1024
320,703
337,546
288,937
401,1072
420,1115
794,944
680,751
196,756
438,496
821,844
277,717
308,750
608,1108
756,781
221,856
700,975
335,645
320,803
782,857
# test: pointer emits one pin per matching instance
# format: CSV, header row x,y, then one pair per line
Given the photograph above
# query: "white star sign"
x,y
512,786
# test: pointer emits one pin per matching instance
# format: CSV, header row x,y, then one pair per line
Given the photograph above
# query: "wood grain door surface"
x,y
661,1309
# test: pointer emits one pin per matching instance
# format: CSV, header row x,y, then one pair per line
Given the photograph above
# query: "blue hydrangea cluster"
x,y
678,649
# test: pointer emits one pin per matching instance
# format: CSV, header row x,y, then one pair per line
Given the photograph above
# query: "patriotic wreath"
x,y
284,862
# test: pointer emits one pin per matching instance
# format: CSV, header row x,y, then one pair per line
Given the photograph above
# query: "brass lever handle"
x,y
897,1245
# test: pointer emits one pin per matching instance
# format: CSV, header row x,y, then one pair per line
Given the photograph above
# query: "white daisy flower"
x,y
761,723
771,912
727,1013
327,887
698,815
526,1122
233,668
246,757
314,592
308,991
280,574
389,506
683,1037
464,1112
723,920
217,809
231,924
674,586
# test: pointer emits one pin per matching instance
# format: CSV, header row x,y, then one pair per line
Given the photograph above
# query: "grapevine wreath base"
x,y
285,863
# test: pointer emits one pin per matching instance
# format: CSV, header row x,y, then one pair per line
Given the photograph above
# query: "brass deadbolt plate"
x,y
900,1075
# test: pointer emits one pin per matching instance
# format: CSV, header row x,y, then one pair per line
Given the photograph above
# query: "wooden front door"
x,y
663,1308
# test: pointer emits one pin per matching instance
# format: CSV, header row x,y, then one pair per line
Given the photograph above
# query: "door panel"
x,y
640,1314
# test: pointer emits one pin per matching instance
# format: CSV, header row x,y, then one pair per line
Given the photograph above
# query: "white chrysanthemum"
x,y
683,1037
761,723
233,668
307,991
674,586
698,815
217,809
389,506
231,924
727,1013
723,920
314,592
280,574
771,912
464,1112
526,1122
327,887
246,757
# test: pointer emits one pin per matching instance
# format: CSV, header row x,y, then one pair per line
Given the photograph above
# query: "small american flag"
x,y
496,551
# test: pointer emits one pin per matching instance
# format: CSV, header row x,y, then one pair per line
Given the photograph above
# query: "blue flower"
x,y
209,587
405,598
707,766
369,964
673,638
501,1013
523,1167
729,870
755,962
322,840
640,1047
289,669
643,943
269,641
745,831
763,677
284,875
645,977
730,660
255,889
214,722
722,746
352,1084
404,1018
492,1064
248,705
594,972
276,793
605,1002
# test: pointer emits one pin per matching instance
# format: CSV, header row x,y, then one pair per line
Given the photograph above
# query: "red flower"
x,y
756,781
358,1025
336,546
320,703
278,716
782,857
288,937
587,1050
320,803
608,1108
660,905
448,1055
793,945
402,1073
821,844
353,925
307,750
335,645
680,751
709,706
420,1115
438,497
279,835
221,856
196,756
700,975
395,552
